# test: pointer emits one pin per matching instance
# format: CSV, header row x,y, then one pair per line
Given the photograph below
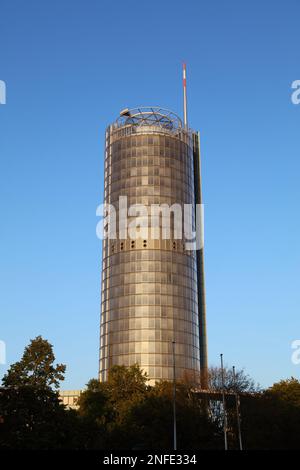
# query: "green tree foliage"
x,y
136,416
270,418
36,367
126,413
93,402
33,418
96,411
126,383
108,404
269,422
287,391
154,419
243,382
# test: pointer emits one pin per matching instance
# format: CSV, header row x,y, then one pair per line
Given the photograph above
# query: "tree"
x,y
36,367
94,402
287,391
270,421
32,416
107,405
126,383
153,419
243,382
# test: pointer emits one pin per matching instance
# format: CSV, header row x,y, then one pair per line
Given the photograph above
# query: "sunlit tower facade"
x,y
153,288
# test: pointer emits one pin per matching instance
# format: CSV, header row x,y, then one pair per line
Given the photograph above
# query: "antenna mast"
x,y
184,96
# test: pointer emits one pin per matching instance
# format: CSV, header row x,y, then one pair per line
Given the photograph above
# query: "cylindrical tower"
x,y
149,284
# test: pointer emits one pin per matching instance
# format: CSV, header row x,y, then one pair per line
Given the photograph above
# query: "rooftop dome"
x,y
149,116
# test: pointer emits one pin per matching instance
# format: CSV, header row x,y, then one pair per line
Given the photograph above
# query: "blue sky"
x,y
70,67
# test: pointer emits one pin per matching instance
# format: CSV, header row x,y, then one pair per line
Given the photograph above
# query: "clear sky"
x,y
70,66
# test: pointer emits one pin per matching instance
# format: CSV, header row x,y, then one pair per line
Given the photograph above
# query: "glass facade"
x,y
149,286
